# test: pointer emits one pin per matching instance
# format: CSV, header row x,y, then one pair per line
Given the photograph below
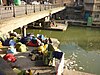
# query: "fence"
x,y
13,11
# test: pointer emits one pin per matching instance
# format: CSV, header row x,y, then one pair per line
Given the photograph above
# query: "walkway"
x,y
23,9
21,20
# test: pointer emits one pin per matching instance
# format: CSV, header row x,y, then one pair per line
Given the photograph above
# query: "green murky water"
x,y
84,42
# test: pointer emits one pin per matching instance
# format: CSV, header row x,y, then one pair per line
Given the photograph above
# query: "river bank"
x,y
86,46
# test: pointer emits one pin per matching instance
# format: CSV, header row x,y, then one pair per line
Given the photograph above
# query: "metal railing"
x,y
13,11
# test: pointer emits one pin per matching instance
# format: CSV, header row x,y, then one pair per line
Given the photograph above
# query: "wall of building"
x,y
62,1
96,16
96,1
93,7
96,7
88,1
88,6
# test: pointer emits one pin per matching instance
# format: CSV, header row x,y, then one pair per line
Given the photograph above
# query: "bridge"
x,y
20,16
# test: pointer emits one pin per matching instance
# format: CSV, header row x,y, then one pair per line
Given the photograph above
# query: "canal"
x,y
82,42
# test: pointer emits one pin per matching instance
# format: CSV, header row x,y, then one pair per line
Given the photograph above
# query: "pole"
x,y
26,7
34,8
24,31
13,10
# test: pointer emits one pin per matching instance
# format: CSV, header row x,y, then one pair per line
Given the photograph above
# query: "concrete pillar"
x,y
21,30
47,19
24,31
54,16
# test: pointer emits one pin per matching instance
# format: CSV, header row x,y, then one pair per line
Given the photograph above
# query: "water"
x,y
84,42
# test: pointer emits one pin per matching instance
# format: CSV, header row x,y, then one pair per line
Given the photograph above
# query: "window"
x,y
96,16
98,7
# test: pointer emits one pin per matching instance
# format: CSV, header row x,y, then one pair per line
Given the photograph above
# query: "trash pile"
x,y
71,63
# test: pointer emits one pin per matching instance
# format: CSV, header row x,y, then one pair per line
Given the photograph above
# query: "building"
x,y
62,1
92,9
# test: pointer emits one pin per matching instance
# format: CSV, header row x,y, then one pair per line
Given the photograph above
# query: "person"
x,y
50,40
30,72
9,3
1,44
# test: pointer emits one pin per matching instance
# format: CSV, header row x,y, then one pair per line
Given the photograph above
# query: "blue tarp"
x,y
41,37
24,40
9,42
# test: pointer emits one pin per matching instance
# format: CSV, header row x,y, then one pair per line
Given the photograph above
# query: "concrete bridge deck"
x,y
13,23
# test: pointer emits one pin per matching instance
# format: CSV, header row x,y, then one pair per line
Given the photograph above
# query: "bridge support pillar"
x,y
24,31
21,30
55,16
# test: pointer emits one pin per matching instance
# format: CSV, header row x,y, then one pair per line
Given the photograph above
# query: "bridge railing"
x,y
13,11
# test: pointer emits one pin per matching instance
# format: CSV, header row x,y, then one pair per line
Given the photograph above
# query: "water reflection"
x,y
88,61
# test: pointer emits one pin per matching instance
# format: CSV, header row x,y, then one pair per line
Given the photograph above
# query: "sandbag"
x,y
30,43
10,57
24,40
43,49
21,47
16,39
34,42
23,72
12,42
11,49
6,42
9,42
41,37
